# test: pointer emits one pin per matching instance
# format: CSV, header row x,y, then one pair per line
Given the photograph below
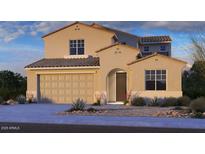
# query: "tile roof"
x,y
123,37
62,62
155,39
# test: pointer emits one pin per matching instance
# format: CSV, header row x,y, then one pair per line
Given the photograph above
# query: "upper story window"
x,y
77,47
146,48
162,48
155,79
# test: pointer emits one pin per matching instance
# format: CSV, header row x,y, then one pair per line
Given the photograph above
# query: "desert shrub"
x,y
198,115
183,101
138,101
154,102
97,103
21,99
170,101
1,100
78,105
125,102
198,105
91,109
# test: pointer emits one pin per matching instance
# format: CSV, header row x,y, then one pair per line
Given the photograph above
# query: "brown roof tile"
x,y
155,39
62,62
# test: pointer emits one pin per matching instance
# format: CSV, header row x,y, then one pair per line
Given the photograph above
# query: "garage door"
x,y
65,88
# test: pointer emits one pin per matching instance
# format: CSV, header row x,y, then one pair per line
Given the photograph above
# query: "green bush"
x,y
138,101
198,105
155,101
78,105
21,99
183,101
1,100
198,115
170,101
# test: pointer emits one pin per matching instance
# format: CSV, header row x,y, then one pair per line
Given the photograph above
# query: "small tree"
x,y
194,80
11,85
198,47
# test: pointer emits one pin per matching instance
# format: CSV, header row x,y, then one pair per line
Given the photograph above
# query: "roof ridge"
x,y
113,29
155,36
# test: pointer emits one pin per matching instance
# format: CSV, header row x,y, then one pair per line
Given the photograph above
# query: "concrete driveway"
x,y
46,113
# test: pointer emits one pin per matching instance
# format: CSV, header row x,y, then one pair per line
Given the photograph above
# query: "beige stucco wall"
x,y
174,71
57,44
115,58
111,90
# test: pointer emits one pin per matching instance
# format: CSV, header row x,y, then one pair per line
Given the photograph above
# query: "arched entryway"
x,y
117,85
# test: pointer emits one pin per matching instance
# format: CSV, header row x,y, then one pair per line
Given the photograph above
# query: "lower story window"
x,y
155,79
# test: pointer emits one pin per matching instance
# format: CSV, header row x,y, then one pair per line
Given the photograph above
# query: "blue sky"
x,y
21,43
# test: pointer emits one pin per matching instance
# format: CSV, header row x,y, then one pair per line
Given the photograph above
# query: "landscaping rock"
x,y
10,102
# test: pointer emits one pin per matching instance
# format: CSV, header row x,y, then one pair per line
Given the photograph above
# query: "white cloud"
x,y
47,26
176,26
12,30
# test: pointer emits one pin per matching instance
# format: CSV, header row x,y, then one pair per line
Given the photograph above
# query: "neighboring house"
x,y
82,61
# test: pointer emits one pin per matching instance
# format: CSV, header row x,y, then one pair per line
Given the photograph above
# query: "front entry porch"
x,y
117,85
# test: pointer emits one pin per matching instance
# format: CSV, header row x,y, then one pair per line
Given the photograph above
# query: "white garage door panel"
x,y
65,88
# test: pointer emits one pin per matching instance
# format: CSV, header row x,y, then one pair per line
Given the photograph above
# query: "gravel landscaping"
x,y
122,110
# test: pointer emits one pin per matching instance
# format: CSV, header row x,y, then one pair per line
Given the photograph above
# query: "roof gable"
x,y
157,54
53,32
117,44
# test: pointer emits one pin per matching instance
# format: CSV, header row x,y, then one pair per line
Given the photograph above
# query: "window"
x,y
76,47
146,48
155,79
162,48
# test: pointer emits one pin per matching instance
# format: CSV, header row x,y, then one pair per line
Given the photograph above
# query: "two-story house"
x,y
84,60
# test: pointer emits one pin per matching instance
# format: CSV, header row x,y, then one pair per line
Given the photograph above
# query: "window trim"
x,y
161,48
166,80
77,54
146,50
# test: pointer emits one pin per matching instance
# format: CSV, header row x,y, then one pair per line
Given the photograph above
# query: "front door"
x,y
121,86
